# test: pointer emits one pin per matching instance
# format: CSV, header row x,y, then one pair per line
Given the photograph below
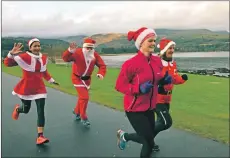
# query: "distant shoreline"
x,y
118,54
124,54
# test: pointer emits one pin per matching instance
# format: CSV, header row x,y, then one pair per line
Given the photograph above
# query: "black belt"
x,y
165,92
83,77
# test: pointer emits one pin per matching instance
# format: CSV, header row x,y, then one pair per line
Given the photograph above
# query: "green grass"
x,y
200,106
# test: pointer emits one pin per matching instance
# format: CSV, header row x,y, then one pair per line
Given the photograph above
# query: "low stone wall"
x,y
219,72
59,61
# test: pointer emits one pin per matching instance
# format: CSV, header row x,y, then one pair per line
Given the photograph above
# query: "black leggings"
x,y
143,123
25,108
164,119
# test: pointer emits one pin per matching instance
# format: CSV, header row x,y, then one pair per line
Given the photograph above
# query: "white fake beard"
x,y
89,54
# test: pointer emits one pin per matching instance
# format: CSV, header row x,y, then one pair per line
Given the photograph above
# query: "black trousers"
x,y
143,123
164,119
25,108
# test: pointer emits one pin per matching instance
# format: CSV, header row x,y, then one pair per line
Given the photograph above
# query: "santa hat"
x,y
88,42
140,35
32,41
164,45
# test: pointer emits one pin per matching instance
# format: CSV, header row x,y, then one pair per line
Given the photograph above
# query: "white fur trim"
x,y
30,67
167,47
35,56
100,75
166,63
33,40
81,85
71,51
142,36
43,65
51,80
9,55
31,97
88,87
24,65
88,45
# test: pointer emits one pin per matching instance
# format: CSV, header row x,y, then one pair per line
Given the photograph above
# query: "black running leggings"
x,y
164,119
143,123
25,108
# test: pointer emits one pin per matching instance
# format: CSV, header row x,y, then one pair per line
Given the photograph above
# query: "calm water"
x,y
191,61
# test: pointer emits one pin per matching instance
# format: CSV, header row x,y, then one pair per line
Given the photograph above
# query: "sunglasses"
x,y
89,48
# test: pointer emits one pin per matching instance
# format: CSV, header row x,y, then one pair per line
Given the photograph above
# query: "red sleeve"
x,y
127,82
67,56
160,64
9,61
100,64
177,79
161,69
48,77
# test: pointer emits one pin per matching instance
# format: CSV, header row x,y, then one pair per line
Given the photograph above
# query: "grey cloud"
x,y
120,18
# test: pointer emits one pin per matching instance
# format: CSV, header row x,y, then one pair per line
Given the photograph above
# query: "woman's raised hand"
x,y
16,49
72,46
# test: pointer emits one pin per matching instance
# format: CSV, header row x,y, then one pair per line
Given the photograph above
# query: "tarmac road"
x,y
68,138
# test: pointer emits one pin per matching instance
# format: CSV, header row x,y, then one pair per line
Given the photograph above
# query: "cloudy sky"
x,y
59,18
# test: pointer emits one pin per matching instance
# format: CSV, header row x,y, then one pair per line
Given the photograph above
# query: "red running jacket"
x,y
134,72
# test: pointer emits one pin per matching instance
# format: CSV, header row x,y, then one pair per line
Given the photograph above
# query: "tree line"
x,y
55,47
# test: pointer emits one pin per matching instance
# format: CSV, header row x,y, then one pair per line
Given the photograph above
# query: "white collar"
x,y
35,56
166,63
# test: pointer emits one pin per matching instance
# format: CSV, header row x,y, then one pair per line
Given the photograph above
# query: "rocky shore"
x,y
219,72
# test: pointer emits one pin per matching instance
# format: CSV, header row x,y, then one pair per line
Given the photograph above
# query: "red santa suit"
x,y
31,86
83,65
164,96
165,93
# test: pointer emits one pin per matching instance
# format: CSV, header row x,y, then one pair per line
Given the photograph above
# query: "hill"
x,y
78,39
190,40
195,40
50,46
105,38
100,38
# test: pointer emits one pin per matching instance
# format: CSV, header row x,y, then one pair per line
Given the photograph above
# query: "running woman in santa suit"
x,y
138,81
31,87
84,60
164,96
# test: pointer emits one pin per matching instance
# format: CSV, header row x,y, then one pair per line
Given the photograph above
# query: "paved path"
x,y
69,138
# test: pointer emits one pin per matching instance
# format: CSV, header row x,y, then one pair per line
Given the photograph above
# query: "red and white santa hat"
x,y
32,41
141,35
88,42
164,45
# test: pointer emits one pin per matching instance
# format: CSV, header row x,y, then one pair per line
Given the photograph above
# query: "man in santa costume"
x,y
164,120
31,87
84,60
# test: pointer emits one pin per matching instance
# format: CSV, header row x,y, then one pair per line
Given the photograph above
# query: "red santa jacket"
x,y
31,86
135,72
83,65
165,92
